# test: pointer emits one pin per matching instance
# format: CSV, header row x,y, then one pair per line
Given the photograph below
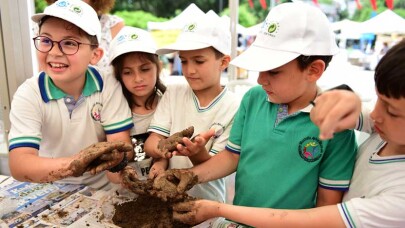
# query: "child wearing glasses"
x,y
69,105
110,26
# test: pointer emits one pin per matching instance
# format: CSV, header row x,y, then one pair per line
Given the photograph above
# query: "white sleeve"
x,y
364,123
25,118
162,119
384,210
116,114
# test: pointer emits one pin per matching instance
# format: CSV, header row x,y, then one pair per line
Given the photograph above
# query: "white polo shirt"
x,y
180,109
376,197
40,119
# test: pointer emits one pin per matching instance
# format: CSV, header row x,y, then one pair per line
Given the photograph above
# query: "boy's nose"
x,y
55,50
189,69
262,79
375,115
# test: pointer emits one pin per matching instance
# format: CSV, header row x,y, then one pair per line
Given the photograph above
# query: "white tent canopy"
x,y
345,24
177,22
386,22
348,29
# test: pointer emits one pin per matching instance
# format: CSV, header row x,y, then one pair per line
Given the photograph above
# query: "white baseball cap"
x,y
205,31
76,12
131,39
289,30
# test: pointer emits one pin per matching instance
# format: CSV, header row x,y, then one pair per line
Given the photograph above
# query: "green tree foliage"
x,y
138,12
138,18
167,8
366,11
246,16
40,6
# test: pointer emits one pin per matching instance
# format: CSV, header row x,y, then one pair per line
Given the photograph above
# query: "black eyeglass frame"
x,y
35,39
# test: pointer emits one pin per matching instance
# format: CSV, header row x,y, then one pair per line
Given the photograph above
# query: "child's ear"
x,y
315,70
96,55
225,62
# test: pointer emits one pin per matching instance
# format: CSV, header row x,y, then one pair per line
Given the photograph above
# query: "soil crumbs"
x,y
146,212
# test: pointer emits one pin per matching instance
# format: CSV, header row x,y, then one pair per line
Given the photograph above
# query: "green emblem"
x,y
191,27
77,9
134,36
272,28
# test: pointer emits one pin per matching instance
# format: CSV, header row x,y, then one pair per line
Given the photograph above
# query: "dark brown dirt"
x,y
170,144
146,212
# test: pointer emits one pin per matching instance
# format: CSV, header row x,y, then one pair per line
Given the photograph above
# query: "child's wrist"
x,y
121,165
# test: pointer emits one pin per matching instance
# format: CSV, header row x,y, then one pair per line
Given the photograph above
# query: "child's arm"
x,y
27,165
115,177
151,143
328,197
194,212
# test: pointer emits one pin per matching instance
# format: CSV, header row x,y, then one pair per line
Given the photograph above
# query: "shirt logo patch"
x,y
96,111
310,149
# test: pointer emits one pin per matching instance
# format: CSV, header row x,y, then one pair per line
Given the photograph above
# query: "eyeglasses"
x,y
66,46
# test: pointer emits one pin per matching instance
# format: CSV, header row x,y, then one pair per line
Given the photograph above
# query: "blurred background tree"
x,y
138,12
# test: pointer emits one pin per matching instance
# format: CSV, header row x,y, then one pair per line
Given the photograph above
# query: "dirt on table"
x,y
146,212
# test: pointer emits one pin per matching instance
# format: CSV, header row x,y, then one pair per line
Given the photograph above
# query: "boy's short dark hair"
x,y
304,61
389,74
217,53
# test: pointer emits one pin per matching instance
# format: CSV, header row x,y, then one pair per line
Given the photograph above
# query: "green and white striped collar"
x,y
49,91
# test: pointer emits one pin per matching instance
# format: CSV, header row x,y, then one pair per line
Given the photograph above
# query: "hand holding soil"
x,y
195,211
130,181
170,186
153,205
98,157
168,145
175,182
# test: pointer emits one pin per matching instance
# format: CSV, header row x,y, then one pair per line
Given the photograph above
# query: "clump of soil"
x,y
146,212
170,144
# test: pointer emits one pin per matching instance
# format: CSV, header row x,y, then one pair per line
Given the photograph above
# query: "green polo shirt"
x,y
282,165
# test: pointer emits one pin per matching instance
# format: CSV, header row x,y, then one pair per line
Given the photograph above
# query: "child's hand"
x,y
167,146
130,181
159,166
182,179
335,110
98,157
195,212
191,147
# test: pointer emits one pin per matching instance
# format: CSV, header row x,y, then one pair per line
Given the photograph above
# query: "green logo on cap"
x,y
272,28
191,27
77,9
134,36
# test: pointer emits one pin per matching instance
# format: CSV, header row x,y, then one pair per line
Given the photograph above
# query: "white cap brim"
x,y
261,59
124,49
182,46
